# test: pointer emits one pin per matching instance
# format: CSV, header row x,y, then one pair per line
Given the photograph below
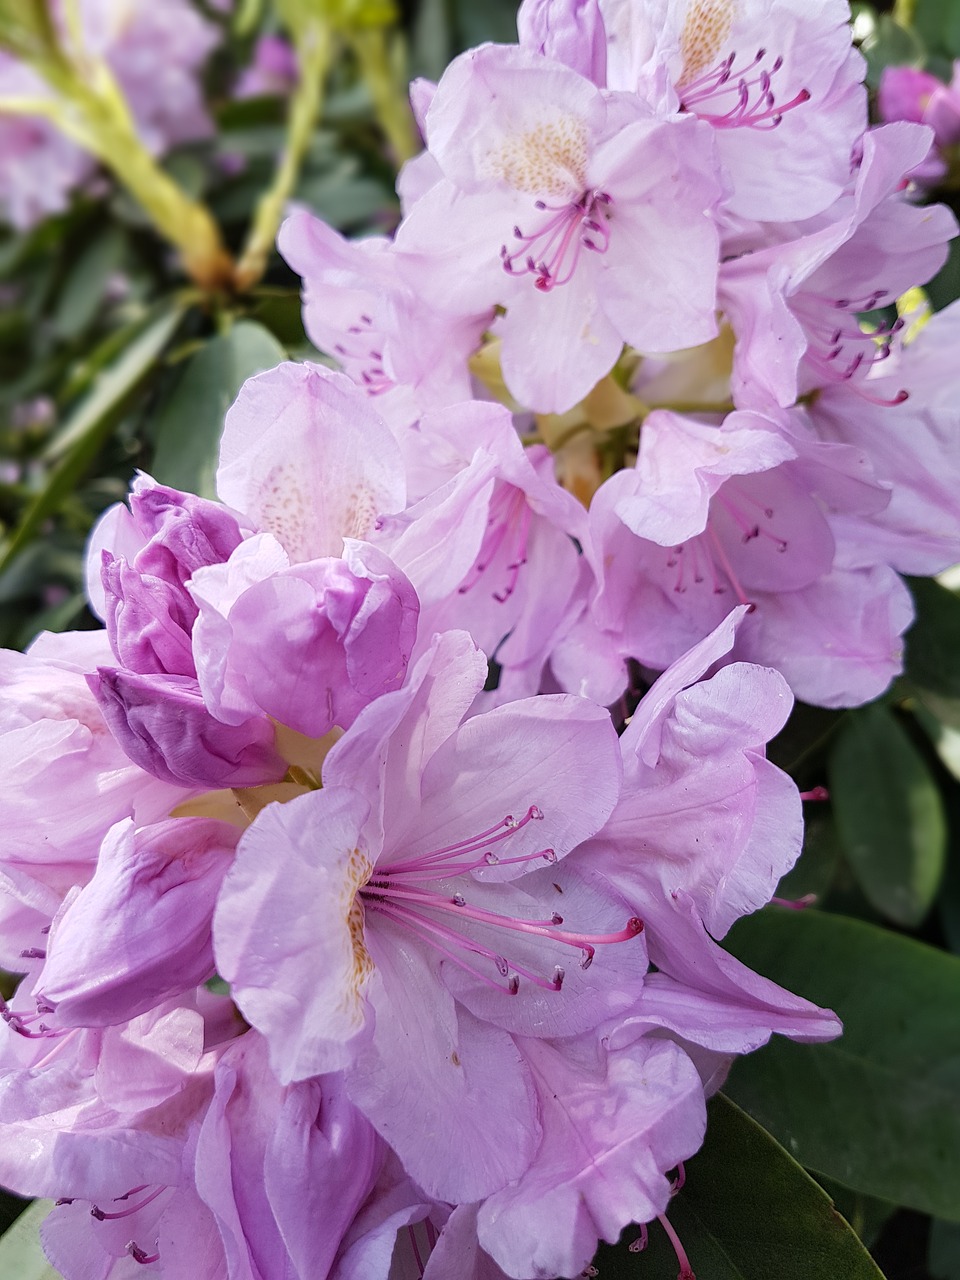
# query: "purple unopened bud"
x,y
310,646
162,725
148,620
183,532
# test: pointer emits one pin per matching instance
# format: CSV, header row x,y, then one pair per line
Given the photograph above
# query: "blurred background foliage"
x,y
112,360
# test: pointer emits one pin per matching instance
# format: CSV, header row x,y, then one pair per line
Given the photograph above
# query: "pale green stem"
x,y
389,94
74,24
314,51
89,107
904,13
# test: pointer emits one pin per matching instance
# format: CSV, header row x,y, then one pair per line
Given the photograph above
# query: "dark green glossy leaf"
x,y
82,294
188,424
432,39
945,285
878,1109
890,44
747,1212
937,23
816,868
943,1260
803,737
343,196
933,642
866,1215
73,449
889,814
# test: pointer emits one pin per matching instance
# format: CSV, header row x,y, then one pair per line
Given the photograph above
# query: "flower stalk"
x,y
89,107
378,67
314,44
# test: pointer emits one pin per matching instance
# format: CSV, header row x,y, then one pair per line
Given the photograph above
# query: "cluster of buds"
x,y
358,942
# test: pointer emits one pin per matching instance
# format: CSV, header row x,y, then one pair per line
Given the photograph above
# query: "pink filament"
x,y
755,107
405,903
686,1271
508,525
101,1216
552,252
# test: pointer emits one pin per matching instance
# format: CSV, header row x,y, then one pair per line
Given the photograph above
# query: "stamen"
x,y
728,568
756,106
101,1216
505,828
508,525
817,793
362,361
393,891
751,529
642,1240
23,1023
552,252
830,339
686,1271
796,904
141,1255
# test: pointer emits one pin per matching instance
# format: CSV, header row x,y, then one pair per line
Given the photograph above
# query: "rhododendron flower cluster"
x,y
370,922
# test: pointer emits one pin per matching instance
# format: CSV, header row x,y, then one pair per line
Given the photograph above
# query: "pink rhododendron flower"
x,y
359,308
140,931
434,915
794,305
569,207
679,539
272,71
68,782
918,531
780,85
152,703
907,94
156,52
39,167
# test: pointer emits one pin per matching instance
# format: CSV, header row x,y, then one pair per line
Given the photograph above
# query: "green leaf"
x,y
816,868
945,737
807,730
890,44
933,642
73,449
343,196
188,424
938,24
879,1108
476,23
866,1215
747,1212
82,294
945,285
432,39
889,814
20,1252
943,1261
